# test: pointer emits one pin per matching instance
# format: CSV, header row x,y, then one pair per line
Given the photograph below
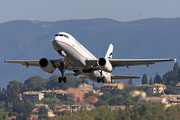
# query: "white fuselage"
x,y
76,55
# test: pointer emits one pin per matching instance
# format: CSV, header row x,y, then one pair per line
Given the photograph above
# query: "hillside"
x,y
148,38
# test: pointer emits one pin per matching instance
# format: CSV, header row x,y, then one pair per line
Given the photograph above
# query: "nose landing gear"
x,y
62,70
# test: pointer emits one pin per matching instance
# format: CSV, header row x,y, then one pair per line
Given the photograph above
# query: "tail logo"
x,y
110,56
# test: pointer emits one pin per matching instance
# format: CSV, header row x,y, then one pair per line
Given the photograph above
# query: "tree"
x,y
157,78
171,90
3,115
116,101
130,82
175,69
151,81
33,83
13,89
43,110
144,79
101,103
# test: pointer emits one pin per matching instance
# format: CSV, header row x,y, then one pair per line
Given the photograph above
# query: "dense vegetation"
x,y
11,105
170,79
132,111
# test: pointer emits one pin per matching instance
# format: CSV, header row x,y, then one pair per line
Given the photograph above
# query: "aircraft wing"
x,y
129,62
124,77
28,63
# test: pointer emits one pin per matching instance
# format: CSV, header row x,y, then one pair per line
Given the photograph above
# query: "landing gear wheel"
x,y
60,79
98,79
64,79
103,79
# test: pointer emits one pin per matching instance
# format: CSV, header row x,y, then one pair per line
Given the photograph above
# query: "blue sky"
x,y
120,10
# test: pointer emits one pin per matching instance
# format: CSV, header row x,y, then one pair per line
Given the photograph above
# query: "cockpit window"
x,y
62,35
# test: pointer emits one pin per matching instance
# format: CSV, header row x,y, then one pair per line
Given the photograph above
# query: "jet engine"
x,y
104,64
46,65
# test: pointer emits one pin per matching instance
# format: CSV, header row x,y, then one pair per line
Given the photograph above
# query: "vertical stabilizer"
x,y
109,52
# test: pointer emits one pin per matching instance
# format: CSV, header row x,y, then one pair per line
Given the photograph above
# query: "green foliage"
x,y
157,78
50,101
101,103
171,90
3,115
106,95
72,81
172,77
24,106
13,89
43,110
151,81
22,117
116,101
34,83
144,79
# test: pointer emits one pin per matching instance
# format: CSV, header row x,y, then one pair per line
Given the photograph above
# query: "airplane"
x,y
77,58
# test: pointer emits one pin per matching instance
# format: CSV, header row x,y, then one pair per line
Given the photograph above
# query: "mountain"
x,y
147,38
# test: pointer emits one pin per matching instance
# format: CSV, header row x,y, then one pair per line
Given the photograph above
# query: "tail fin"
x,y
109,52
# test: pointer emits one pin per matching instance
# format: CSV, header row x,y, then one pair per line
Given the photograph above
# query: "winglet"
x,y
175,60
5,61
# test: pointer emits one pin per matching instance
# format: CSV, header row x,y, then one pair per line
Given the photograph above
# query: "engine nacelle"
x,y
104,64
46,65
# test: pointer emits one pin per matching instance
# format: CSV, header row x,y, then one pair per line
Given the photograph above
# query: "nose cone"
x,y
55,42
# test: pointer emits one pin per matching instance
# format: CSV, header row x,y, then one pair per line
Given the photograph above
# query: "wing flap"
x,y
124,77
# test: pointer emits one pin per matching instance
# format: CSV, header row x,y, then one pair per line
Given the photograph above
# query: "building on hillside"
x,y
91,99
135,93
50,113
75,94
82,105
33,95
38,106
112,108
178,86
33,117
156,88
60,94
144,100
98,92
60,108
57,93
109,87
84,85
172,99
13,117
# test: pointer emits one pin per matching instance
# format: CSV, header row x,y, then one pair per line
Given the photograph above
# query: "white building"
x,y
33,95
144,100
156,88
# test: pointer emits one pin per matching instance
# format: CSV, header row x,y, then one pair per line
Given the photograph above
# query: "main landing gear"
x,y
62,70
101,78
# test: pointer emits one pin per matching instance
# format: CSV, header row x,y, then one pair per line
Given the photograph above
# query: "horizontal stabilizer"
x,y
124,77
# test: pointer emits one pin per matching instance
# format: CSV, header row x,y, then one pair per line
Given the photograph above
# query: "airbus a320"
x,y
77,58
